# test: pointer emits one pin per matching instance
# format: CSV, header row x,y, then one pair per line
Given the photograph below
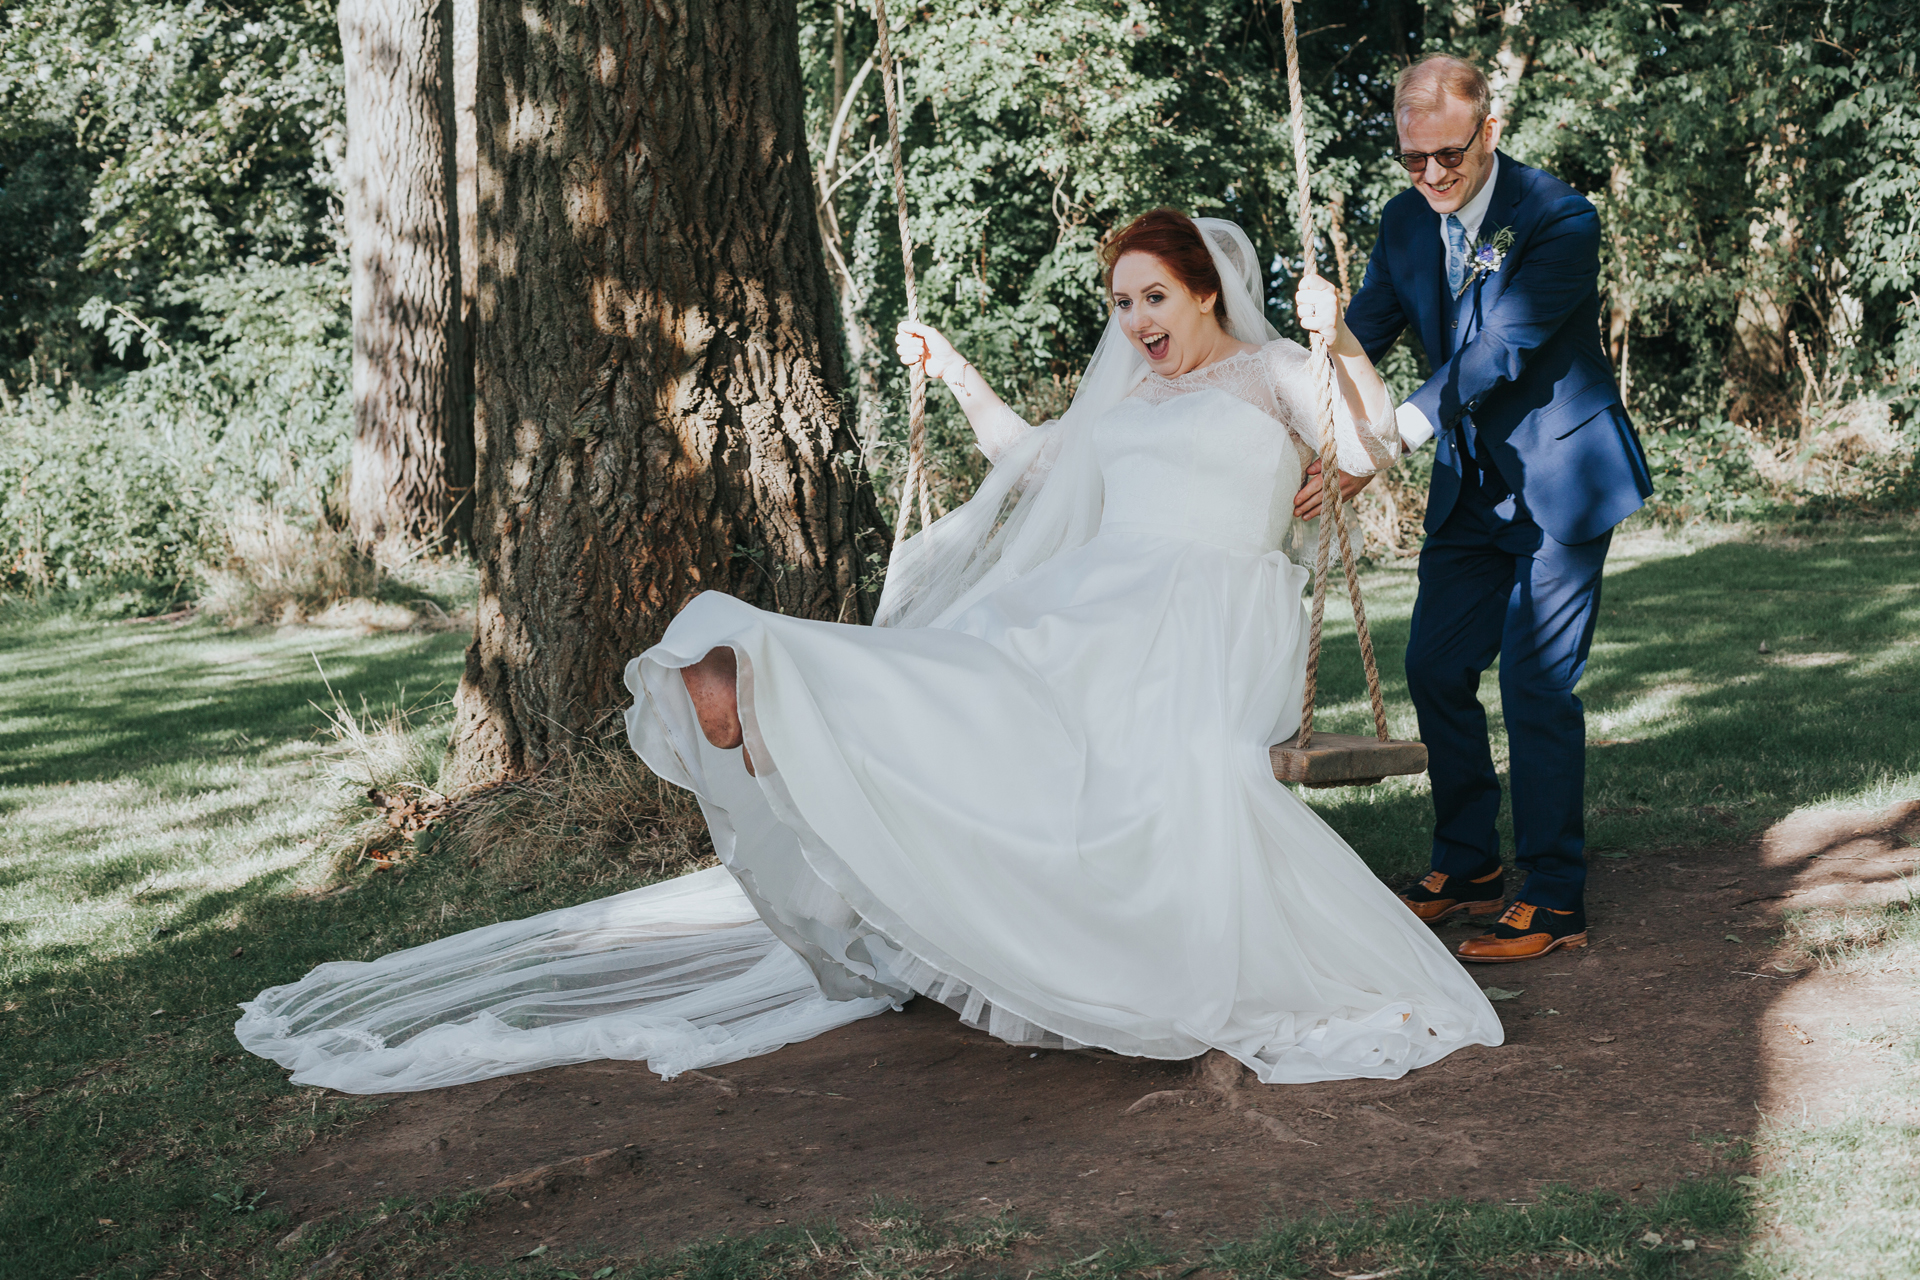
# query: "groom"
x,y
1495,266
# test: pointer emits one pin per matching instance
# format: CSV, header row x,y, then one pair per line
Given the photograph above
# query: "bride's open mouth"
x,y
1157,345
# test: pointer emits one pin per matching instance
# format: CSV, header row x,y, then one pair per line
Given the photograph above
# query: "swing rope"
x,y
1331,514
1332,511
917,378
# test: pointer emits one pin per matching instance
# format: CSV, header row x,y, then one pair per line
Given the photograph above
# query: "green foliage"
x,y
173,325
127,482
1750,163
175,334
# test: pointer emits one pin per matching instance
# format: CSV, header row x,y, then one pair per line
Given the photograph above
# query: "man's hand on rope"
x,y
1306,503
917,342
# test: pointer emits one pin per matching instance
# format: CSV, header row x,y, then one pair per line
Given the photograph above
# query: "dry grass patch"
x,y
275,571
1838,936
596,817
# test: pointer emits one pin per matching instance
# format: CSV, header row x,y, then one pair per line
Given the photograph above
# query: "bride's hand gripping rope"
x,y
923,344
993,423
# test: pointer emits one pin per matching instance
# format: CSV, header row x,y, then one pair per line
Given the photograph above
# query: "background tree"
x,y
658,366
412,427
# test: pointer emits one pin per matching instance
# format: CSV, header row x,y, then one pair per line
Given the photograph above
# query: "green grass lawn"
x,y
170,805
1699,736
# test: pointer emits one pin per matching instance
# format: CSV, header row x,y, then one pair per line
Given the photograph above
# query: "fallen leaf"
x,y
1651,1239
1686,1246
1636,1186
1501,993
1732,938
237,952
534,1252
105,1222
1544,1013
1606,1039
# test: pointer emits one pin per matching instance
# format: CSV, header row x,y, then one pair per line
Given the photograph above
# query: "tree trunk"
x,y
466,66
413,433
657,371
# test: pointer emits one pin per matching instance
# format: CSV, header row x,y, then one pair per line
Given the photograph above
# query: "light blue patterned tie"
x,y
1456,254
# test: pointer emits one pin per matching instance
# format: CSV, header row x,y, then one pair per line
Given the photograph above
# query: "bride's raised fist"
x,y
1317,305
917,342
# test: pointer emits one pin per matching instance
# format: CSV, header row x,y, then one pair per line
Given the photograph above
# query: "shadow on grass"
x,y
1695,735
109,700
132,1109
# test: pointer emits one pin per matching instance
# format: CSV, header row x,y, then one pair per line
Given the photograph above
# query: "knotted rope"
x,y
917,378
1331,515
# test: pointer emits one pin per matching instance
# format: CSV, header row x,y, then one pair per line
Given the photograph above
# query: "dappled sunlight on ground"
x,y
164,792
151,765
1696,734
1840,1048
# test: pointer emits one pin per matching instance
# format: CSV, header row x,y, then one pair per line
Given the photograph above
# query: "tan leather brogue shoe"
x,y
1525,932
1441,895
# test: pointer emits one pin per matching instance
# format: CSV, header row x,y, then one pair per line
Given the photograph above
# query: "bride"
x,y
1037,790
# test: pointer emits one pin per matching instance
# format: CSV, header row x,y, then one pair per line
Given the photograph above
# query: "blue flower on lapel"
x,y
1485,258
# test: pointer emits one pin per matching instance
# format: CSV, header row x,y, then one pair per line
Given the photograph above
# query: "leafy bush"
x,y
138,481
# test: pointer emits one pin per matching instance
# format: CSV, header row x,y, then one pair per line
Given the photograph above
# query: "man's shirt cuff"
x,y
1413,426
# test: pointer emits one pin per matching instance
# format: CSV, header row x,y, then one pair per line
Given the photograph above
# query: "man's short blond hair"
x,y
1422,86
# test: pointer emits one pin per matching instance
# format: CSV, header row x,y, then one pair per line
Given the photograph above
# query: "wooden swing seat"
x,y
1345,759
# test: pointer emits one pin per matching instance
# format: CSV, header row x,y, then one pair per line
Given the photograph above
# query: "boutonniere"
x,y
1485,257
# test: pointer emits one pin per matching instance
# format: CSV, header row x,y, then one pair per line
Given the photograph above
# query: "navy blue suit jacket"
x,y
1517,360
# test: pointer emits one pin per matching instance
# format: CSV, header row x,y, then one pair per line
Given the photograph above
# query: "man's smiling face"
x,y
1453,124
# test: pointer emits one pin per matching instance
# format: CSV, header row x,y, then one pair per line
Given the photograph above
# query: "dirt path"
x,y
1627,1064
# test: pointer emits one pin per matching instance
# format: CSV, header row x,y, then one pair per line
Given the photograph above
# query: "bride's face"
x,y
1174,330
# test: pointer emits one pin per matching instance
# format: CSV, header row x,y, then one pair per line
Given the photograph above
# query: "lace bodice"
x,y
1276,381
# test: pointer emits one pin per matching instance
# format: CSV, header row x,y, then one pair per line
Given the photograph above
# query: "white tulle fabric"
x,y
682,974
1039,795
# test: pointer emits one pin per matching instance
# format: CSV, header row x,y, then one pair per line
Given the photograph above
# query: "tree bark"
x,y
466,67
658,376
413,434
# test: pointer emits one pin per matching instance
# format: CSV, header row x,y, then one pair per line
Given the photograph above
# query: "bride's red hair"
x,y
1170,236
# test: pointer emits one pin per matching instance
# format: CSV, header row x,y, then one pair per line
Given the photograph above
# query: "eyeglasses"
x,y
1449,157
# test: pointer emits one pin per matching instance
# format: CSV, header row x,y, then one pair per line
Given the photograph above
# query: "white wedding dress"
x,y
1051,810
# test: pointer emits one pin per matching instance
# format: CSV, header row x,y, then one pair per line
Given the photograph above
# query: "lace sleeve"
x,y
1364,448
1000,431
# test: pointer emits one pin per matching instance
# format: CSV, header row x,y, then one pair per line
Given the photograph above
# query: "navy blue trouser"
x,y
1494,584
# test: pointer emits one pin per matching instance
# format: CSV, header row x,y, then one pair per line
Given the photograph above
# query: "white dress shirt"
x,y
1415,430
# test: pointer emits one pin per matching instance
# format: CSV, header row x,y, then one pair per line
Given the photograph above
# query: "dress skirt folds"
x,y
1056,815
